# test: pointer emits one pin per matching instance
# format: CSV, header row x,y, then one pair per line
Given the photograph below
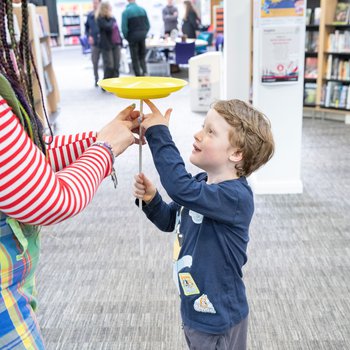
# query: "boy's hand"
x,y
144,188
155,117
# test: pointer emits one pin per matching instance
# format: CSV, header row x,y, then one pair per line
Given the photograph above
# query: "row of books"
x,y
74,30
71,20
313,16
339,41
310,94
335,95
48,85
311,68
311,41
40,26
45,55
338,68
54,42
342,12
72,40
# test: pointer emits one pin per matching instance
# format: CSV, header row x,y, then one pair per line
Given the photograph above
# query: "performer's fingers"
x,y
124,114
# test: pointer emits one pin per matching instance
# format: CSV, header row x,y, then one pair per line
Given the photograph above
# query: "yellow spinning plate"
x,y
142,87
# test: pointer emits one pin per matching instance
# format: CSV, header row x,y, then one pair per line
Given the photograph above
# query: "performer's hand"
x,y
118,132
144,188
155,117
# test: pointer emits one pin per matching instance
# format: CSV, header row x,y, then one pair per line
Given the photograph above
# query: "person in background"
x,y
135,26
170,14
191,21
43,180
211,213
110,50
91,32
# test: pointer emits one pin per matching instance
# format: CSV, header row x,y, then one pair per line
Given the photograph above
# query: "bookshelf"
x,y
218,19
313,16
71,20
328,91
39,34
212,10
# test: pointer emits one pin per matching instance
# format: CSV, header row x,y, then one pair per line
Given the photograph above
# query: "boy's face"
x,y
212,149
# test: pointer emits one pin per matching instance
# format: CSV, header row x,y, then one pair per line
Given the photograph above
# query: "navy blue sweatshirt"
x,y
214,223
91,28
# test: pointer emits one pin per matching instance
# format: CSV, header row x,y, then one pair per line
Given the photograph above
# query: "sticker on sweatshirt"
x,y
185,261
203,304
196,218
188,284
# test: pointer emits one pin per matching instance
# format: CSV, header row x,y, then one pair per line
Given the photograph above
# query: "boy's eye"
x,y
210,131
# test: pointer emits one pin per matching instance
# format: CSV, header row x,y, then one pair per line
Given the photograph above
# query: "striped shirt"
x,y
35,190
30,191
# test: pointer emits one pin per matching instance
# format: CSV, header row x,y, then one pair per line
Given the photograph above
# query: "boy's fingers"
x,y
152,106
168,114
138,178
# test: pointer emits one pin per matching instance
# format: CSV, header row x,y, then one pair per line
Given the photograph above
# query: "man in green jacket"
x,y
135,25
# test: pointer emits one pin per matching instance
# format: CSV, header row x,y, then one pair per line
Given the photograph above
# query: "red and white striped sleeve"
x,y
30,191
64,150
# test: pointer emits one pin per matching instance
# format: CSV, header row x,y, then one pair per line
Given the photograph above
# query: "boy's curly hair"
x,y
251,134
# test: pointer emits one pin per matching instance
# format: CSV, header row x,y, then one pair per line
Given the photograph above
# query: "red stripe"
x,y
70,159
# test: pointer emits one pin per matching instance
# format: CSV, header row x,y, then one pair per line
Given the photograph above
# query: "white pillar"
x,y
283,104
236,72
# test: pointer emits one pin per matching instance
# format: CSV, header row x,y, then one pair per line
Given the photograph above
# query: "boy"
x,y
214,211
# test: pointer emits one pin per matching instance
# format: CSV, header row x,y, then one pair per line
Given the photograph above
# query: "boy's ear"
x,y
236,156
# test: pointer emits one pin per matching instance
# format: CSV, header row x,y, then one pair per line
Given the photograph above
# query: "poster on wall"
x,y
282,8
280,54
204,86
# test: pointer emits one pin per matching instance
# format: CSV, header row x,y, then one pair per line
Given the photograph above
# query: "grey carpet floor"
x,y
97,292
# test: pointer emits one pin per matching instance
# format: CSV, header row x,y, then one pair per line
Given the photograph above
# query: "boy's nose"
x,y
197,136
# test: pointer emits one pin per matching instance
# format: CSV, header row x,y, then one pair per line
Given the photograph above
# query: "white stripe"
x,y
10,159
71,152
10,133
4,107
65,156
52,160
58,158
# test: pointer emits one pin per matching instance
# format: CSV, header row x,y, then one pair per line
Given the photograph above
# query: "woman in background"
x,y
42,180
109,42
191,21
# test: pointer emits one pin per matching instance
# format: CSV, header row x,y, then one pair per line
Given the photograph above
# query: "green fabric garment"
x,y
8,94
